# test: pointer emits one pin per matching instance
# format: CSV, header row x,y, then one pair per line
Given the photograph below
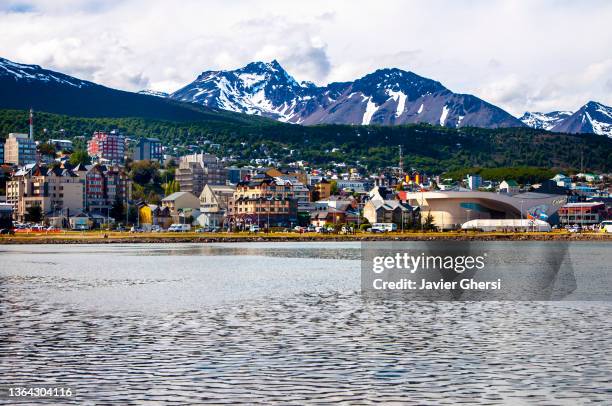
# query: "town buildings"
x,y
181,205
196,170
265,201
107,147
584,213
148,149
214,203
390,211
19,149
104,186
54,190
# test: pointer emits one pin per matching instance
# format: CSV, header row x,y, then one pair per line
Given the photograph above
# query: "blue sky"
x,y
521,55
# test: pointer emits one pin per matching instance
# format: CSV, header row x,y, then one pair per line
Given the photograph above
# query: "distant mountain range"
x,y
593,118
30,86
384,97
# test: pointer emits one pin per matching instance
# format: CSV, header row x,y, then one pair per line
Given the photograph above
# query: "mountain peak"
x,y
593,117
386,96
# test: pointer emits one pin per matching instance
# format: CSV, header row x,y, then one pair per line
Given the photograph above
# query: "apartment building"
x,y
265,201
196,170
56,190
214,203
148,149
103,185
19,150
109,147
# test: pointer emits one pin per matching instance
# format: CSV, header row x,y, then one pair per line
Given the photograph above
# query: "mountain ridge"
x,y
387,96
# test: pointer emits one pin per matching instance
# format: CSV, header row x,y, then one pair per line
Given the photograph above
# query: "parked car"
x,y
7,231
156,229
383,227
254,228
576,228
135,229
179,228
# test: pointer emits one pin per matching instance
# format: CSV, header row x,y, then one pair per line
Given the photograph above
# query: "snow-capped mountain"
x,y
30,86
155,93
385,97
34,73
593,117
544,121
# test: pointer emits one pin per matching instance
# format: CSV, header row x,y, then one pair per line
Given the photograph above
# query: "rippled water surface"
x,y
279,323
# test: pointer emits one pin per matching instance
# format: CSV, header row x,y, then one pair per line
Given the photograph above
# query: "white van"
x,y
179,228
606,226
383,227
254,228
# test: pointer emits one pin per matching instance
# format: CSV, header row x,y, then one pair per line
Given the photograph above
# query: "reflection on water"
x,y
193,324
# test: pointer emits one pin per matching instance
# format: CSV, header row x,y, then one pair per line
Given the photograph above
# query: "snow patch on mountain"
x,y
371,108
444,114
544,121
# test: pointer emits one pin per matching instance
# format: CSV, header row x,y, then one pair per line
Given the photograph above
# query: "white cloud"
x,y
519,54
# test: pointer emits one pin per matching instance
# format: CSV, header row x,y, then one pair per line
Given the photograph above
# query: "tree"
x,y
172,187
117,211
428,224
46,149
143,172
79,157
334,187
34,214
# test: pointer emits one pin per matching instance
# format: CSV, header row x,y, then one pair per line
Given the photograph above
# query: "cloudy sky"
x,y
537,55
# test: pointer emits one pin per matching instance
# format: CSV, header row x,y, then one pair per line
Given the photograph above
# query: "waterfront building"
x,y
180,203
105,185
148,149
265,201
105,146
214,203
196,170
584,213
54,189
19,149
389,211
6,215
450,209
150,215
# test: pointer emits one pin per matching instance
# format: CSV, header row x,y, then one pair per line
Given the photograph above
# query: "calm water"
x,y
283,323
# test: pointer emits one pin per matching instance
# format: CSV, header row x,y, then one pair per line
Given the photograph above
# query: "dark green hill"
x,y
434,149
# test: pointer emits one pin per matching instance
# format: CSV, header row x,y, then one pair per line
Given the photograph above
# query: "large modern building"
x,y
19,149
197,170
108,147
148,149
451,209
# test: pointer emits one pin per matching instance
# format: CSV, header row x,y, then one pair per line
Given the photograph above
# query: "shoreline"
x,y
166,238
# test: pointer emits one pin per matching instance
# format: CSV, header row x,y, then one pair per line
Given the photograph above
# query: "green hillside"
x,y
434,149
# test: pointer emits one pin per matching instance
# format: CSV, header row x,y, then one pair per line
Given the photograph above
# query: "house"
x,y
509,187
381,193
214,203
389,211
179,202
153,215
563,181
